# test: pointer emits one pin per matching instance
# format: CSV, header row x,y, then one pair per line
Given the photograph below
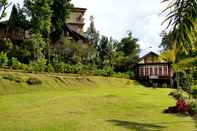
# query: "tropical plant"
x,y
182,18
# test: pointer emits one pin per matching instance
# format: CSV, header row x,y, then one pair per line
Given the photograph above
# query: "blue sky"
x,y
116,17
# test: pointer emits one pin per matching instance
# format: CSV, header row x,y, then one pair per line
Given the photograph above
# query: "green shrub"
x,y
131,74
192,107
108,70
194,91
6,45
76,68
34,81
100,72
87,70
59,67
38,65
3,59
67,68
50,68
177,95
15,63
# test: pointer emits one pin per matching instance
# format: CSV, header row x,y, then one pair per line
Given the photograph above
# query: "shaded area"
x,y
137,126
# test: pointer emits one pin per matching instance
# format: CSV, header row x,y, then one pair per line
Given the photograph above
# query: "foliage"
x,y
17,18
92,34
15,63
3,59
128,45
108,70
6,45
184,80
33,48
131,74
127,53
181,18
67,68
185,73
48,49
3,7
194,91
40,13
168,55
103,50
60,12
67,51
192,108
50,68
38,65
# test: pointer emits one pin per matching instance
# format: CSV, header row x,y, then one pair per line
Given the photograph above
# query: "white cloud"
x,y
116,17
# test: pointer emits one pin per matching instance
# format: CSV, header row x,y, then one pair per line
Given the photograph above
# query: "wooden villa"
x,y
150,70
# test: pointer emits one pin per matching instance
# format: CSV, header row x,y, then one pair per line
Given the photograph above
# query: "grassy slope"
x,y
74,103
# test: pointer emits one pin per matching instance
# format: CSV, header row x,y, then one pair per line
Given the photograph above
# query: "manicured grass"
x,y
73,103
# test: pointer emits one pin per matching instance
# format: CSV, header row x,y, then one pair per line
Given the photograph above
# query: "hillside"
x,y
84,103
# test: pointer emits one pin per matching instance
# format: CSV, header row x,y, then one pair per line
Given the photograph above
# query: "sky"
x,y
114,18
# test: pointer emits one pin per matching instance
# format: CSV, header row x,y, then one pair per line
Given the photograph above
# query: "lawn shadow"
x,y
137,126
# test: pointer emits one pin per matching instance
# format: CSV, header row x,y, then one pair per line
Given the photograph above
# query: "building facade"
x,y
152,70
76,20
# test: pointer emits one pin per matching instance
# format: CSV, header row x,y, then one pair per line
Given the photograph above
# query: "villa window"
x,y
155,71
160,71
165,71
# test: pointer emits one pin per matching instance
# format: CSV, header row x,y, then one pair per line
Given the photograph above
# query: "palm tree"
x,y
182,21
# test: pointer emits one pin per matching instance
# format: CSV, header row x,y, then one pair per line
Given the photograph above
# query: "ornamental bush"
x,y
192,108
38,65
3,59
15,63
194,91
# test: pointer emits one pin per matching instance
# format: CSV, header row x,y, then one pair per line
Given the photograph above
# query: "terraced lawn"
x,y
82,103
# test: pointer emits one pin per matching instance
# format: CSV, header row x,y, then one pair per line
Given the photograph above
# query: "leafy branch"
x,y
3,6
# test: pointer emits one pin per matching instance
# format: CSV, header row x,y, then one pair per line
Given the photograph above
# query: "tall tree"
x,y
128,45
127,53
182,18
40,13
92,34
103,50
17,18
61,11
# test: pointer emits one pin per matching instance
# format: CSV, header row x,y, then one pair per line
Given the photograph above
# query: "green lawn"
x,y
73,103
